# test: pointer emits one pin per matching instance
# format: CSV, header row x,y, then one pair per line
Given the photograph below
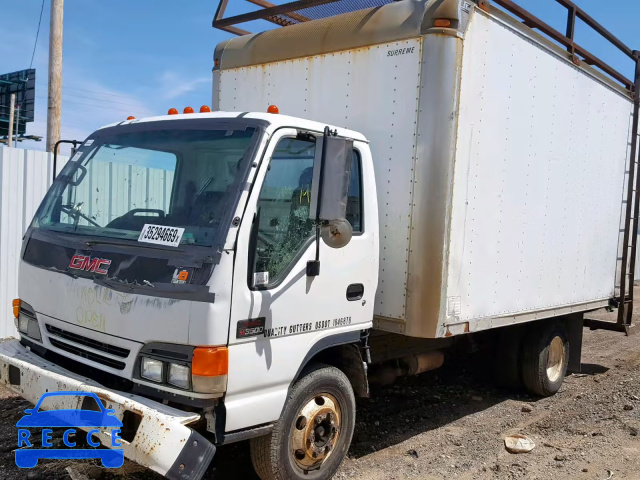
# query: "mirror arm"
x,y
253,245
55,154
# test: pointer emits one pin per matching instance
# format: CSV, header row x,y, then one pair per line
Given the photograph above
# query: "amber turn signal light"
x,y
210,361
16,307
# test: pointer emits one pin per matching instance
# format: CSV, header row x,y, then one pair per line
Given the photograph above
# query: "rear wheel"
x,y
545,356
314,433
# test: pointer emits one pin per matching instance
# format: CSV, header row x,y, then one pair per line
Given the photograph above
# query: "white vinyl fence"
x,y
25,176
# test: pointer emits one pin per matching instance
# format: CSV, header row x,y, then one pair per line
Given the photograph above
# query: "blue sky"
x,y
141,57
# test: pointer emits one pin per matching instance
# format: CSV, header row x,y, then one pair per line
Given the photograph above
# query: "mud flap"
x,y
162,441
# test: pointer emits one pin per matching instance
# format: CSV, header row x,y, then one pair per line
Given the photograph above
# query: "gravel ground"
x,y
451,423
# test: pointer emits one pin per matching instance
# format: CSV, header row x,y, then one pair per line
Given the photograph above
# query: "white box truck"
x,y
437,171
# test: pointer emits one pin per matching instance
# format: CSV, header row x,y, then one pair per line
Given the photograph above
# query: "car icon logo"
x,y
60,410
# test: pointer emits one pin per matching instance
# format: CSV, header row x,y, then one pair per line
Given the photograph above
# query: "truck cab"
x,y
171,254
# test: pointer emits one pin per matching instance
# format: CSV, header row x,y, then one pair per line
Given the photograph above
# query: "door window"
x,y
284,227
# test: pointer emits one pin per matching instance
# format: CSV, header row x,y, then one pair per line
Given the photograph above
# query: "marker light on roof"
x,y
273,109
188,110
172,111
442,22
131,117
205,109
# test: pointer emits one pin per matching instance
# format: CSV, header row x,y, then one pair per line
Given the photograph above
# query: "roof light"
x,y
273,109
172,111
442,22
188,110
131,117
205,109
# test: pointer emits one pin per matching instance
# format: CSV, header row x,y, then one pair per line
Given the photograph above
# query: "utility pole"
x,y
12,105
54,108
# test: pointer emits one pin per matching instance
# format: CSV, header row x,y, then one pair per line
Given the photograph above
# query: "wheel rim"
x,y
316,429
555,359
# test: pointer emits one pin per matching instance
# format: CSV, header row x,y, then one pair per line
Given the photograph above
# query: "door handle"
x,y
355,291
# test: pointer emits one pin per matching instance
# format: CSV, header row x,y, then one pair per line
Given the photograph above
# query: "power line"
x,y
96,99
35,44
118,109
99,93
67,87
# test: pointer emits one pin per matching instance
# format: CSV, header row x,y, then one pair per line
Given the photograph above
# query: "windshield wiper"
x,y
76,208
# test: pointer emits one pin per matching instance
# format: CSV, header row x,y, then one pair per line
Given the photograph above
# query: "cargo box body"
x,y
500,164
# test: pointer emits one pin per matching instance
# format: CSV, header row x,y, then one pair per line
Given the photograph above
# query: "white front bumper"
x,y
162,441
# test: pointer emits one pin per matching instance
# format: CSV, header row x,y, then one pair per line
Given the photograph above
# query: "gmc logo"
x,y
88,264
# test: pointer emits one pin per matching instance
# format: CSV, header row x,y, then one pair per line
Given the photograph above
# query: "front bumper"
x,y
162,442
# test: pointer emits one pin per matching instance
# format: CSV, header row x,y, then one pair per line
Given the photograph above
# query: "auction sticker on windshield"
x,y
161,235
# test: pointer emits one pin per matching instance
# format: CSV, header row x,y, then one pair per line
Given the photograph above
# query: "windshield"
x,y
155,182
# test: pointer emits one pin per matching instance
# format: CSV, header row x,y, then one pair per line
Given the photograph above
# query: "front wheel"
x,y
314,433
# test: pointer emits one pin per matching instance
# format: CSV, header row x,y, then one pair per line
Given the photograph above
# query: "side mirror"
x,y
329,193
331,175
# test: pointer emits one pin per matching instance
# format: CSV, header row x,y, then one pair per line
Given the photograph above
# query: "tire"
x,y
323,393
545,356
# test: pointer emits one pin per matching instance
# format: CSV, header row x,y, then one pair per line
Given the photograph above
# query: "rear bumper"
x,y
163,442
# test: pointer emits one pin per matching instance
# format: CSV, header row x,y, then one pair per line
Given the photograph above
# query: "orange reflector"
x,y
210,361
16,307
205,109
188,110
216,62
442,22
172,111
273,109
131,117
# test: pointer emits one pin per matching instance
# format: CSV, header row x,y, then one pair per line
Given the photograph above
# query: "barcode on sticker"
x,y
260,278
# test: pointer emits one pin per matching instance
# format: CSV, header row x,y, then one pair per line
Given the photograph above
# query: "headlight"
x,y
179,375
151,369
28,326
23,324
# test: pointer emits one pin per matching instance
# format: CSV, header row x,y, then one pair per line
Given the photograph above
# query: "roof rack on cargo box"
x,y
301,11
